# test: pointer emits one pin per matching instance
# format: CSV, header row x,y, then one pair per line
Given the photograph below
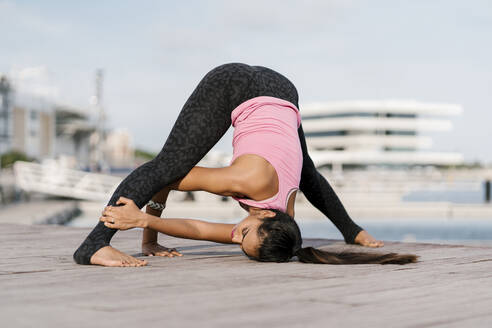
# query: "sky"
x,y
155,52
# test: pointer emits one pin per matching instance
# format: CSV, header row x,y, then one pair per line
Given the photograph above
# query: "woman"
x,y
270,162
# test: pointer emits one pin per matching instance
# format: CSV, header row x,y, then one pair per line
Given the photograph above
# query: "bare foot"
x,y
365,239
151,249
109,256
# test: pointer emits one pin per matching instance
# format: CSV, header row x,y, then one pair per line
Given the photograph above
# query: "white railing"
x,y
55,180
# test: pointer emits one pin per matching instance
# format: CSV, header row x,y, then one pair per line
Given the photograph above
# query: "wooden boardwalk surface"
x,y
38,211
214,285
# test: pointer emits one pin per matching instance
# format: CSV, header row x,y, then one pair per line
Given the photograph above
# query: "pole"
x,y
5,90
487,191
100,161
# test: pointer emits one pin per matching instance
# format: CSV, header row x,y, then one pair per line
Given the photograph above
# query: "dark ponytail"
x,y
313,255
281,240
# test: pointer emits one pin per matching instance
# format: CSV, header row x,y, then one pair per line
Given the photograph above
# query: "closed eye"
x,y
245,232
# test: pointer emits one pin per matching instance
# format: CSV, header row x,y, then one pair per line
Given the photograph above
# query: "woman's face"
x,y
245,233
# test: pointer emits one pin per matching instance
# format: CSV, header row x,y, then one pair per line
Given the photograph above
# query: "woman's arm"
x,y
129,216
221,181
191,229
150,236
150,246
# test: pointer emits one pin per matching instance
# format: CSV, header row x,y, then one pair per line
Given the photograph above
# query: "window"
x,y
34,115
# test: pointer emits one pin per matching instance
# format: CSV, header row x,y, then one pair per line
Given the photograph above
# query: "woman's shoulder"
x,y
258,177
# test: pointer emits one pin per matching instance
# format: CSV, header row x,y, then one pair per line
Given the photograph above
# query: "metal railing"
x,y
365,184
55,180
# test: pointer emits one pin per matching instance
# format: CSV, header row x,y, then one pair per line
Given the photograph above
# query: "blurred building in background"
x,y
27,124
43,129
73,137
119,151
361,133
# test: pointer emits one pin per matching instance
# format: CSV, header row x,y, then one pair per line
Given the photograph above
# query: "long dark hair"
x,y
281,240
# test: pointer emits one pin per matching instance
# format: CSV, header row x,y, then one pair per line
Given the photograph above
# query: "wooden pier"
x,y
214,285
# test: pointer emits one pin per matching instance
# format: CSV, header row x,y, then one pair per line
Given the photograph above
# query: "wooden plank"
x,y
214,285
39,212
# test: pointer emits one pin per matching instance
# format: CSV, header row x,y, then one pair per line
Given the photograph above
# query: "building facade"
x,y
27,124
361,133
43,129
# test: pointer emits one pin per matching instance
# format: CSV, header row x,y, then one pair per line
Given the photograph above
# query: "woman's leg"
x,y
319,193
204,119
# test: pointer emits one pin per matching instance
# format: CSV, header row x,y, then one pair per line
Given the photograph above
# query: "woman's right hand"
x,y
154,249
123,217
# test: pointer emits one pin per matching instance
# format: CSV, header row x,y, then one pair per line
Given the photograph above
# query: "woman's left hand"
x,y
123,217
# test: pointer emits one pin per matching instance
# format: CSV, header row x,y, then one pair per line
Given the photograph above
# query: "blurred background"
x,y
395,97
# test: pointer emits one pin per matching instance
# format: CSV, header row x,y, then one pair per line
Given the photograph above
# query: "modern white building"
x,y
391,132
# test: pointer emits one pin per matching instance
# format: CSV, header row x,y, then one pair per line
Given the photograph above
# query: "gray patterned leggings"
x,y
204,119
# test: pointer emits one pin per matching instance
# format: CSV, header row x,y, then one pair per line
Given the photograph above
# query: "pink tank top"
x,y
267,127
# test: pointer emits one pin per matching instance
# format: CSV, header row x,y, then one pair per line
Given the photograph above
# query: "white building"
x,y
27,124
74,129
42,129
118,149
360,133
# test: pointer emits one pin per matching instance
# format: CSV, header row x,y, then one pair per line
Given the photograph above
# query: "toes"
x,y
137,262
116,263
140,263
378,243
129,261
